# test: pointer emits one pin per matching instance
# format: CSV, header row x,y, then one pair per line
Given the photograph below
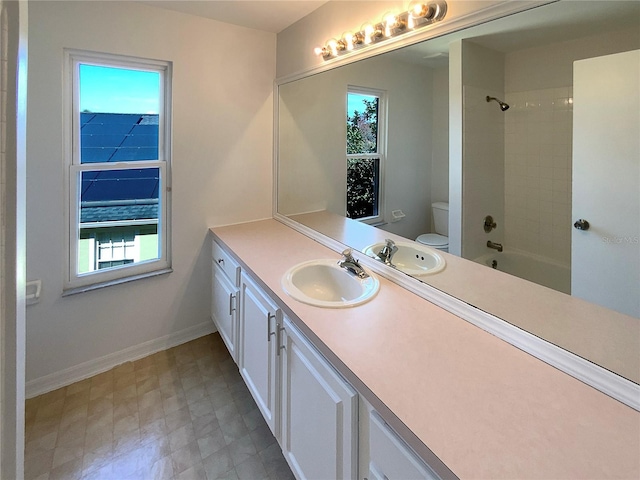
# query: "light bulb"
x,y
392,24
348,40
421,12
367,30
332,45
389,22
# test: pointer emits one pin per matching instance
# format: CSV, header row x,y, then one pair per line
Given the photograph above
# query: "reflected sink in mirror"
x,y
411,258
323,283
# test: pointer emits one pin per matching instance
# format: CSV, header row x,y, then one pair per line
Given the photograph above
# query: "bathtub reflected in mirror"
x,y
535,268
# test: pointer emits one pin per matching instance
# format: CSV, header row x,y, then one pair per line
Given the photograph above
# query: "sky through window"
x,y
118,90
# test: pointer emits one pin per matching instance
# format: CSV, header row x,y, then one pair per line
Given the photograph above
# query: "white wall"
x,y
222,148
440,137
483,147
551,66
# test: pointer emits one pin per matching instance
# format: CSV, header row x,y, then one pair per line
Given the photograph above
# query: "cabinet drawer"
x,y
228,265
390,457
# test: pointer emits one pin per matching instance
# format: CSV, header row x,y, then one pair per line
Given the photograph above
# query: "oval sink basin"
x,y
323,283
411,258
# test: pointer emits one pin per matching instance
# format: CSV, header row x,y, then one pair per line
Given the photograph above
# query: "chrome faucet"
x,y
495,246
352,265
386,254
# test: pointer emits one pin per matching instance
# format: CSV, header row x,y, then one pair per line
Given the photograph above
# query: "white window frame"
x,y
74,282
381,154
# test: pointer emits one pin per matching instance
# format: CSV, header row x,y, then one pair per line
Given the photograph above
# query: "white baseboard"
x,y
88,369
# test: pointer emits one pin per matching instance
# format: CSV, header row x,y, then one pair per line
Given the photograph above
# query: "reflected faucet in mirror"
x,y
386,254
495,246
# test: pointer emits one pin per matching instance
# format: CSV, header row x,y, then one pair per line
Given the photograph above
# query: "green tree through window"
x,y
362,129
363,159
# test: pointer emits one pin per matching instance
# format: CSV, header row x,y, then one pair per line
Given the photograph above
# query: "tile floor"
x,y
183,413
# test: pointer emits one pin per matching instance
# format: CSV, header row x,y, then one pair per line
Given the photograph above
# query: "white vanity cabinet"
x,y
389,456
319,412
225,283
325,430
259,364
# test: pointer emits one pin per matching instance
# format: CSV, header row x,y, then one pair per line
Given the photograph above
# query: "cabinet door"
x,y
258,360
390,457
224,308
319,413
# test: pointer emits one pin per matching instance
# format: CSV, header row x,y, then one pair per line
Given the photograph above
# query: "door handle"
x,y
231,307
581,224
269,332
279,345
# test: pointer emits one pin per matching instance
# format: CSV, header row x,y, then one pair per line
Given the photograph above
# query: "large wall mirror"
x,y
484,120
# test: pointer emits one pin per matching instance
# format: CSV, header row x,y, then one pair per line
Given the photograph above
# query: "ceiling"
x,y
266,15
554,23
569,20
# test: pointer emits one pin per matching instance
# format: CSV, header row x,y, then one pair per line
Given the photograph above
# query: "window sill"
x,y
97,286
378,224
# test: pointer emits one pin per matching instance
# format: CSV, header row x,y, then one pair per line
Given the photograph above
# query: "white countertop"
x,y
483,407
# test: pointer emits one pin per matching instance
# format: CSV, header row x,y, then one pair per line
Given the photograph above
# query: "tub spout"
x,y
495,246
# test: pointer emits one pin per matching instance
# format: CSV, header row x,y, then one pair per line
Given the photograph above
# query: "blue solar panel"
x,y
112,137
107,185
97,154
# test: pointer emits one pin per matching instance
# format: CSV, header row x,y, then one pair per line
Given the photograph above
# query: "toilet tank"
x,y
441,217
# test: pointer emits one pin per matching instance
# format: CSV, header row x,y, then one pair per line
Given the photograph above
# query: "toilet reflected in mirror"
x,y
440,239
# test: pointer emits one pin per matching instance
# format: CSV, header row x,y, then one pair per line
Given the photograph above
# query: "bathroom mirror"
x,y
515,165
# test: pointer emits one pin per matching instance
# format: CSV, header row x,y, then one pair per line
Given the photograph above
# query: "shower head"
x,y
503,106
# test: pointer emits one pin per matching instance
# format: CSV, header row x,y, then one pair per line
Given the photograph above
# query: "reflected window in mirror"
x,y
365,154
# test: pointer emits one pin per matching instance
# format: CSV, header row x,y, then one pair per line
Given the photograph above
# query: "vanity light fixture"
x,y
418,15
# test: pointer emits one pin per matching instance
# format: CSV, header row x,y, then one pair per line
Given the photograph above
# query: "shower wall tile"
x,y
538,136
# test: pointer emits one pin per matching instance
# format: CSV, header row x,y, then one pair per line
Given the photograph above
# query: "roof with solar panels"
x,y
119,195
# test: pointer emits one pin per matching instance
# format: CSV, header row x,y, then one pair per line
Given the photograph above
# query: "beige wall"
x,y
221,167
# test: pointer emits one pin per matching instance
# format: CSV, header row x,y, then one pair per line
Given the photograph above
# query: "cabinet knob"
x,y
221,261
581,224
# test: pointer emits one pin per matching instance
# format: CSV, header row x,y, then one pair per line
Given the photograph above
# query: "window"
x,y
365,154
118,168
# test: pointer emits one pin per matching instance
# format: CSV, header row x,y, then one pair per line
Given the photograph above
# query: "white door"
x,y
605,259
319,413
258,361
